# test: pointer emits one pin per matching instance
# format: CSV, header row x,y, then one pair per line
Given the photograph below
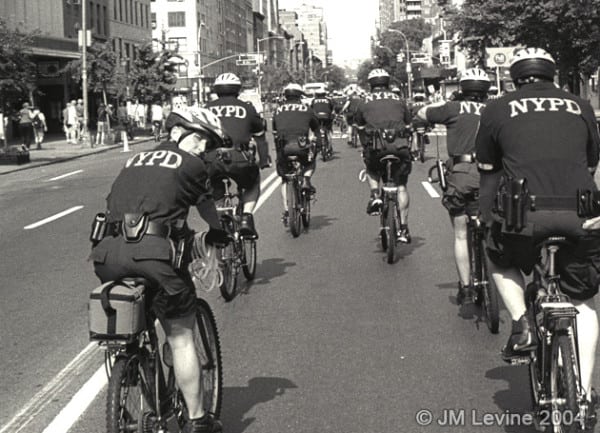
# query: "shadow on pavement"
x,y
317,222
402,250
516,399
238,401
269,269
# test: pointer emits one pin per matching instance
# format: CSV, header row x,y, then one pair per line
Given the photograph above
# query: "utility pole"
x,y
85,136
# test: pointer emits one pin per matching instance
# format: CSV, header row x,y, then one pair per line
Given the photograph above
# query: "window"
x,y
153,18
120,10
99,27
126,12
176,19
136,12
178,44
105,19
91,16
147,16
115,11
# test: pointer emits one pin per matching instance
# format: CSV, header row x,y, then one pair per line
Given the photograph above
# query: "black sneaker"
x,y
521,341
206,424
285,217
306,185
247,229
374,205
404,235
464,295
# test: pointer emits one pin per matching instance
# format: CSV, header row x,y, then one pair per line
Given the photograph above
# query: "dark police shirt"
x,y
543,134
355,101
239,119
323,107
162,183
382,110
294,119
461,119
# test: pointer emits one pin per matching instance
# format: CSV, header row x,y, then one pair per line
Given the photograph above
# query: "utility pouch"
x,y
512,201
388,135
134,226
441,171
588,203
302,142
180,247
224,155
99,227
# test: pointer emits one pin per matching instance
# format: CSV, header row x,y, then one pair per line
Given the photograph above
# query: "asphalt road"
x,y
328,338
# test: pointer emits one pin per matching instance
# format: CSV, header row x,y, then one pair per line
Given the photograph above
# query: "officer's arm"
x,y
208,212
422,114
593,144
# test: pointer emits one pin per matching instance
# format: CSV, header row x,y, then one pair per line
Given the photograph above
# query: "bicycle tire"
x,y
212,373
382,234
421,146
249,264
490,304
124,410
391,232
563,383
535,377
229,285
295,217
305,210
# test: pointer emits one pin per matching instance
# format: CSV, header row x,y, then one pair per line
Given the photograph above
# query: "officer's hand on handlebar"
x,y
218,238
592,224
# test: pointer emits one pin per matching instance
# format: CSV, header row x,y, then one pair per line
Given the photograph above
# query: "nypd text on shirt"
x,y
160,158
229,111
526,105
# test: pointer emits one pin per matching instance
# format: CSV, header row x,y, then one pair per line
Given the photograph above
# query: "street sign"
x,y
420,58
445,47
499,57
247,60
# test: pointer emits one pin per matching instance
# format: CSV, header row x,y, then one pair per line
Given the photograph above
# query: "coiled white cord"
x,y
205,268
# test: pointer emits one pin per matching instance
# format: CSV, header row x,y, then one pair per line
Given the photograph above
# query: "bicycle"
x,y
298,198
143,395
241,252
156,130
324,143
422,140
354,136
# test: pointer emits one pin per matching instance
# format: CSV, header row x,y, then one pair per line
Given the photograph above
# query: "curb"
x,y
70,158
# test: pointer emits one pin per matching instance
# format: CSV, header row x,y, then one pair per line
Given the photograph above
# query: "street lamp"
x,y
200,89
258,41
408,65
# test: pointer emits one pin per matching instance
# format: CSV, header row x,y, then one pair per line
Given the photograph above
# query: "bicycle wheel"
x,y
208,348
382,231
128,399
421,147
490,306
391,232
249,264
535,377
563,384
305,209
229,285
293,208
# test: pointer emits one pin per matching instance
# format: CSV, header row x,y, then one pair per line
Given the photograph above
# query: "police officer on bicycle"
x,y
461,198
146,212
549,138
293,123
383,110
241,123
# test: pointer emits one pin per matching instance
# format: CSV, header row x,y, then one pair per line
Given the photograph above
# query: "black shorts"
x,y
350,119
173,291
283,166
400,171
462,195
236,166
327,122
578,264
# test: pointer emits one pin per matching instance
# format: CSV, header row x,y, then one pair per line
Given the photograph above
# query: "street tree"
x,y
153,75
335,76
570,31
102,71
18,74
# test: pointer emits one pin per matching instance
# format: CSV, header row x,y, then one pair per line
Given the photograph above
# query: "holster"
x,y
134,226
512,202
588,203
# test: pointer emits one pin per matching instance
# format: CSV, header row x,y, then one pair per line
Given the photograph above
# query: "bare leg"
x,y
587,329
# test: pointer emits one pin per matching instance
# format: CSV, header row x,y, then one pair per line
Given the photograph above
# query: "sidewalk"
x,y
56,149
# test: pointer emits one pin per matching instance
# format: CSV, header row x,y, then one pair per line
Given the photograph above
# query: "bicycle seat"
x,y
392,158
555,241
137,281
293,157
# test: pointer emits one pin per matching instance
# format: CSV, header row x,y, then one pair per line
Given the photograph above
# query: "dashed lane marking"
x,y
53,217
62,176
430,189
268,180
265,195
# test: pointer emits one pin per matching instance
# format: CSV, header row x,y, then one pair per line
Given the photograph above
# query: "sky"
x,y
350,24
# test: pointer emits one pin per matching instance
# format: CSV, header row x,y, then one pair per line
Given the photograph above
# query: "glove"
x,y
217,237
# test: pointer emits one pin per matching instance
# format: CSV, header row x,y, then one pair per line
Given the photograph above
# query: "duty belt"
x,y
153,229
467,157
553,202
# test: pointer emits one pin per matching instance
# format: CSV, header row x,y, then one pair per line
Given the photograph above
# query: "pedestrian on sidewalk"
x,y
125,120
39,127
71,122
79,108
25,116
102,129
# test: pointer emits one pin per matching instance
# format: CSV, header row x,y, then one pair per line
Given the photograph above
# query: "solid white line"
x,y
48,392
62,176
268,180
265,195
430,189
79,403
53,217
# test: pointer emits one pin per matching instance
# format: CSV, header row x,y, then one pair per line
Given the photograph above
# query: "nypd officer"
x,y
146,212
548,137
461,198
323,108
293,122
384,110
241,123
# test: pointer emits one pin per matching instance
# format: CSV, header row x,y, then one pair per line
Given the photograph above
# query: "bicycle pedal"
x,y
519,360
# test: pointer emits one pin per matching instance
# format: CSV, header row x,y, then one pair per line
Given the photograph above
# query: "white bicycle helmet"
x,y
378,77
474,80
227,84
293,90
532,62
201,121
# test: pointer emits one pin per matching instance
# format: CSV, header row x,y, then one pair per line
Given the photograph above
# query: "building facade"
x,y
311,22
123,23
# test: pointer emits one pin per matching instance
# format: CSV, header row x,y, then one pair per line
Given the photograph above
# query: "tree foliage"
x,y
569,30
153,75
18,73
